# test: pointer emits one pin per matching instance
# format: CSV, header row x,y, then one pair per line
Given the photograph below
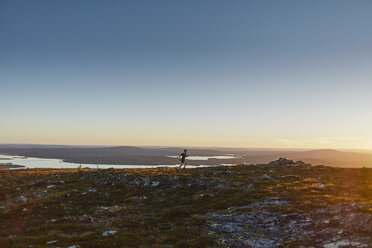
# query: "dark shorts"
x,y
182,161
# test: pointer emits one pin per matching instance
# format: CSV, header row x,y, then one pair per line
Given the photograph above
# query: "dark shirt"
x,y
183,156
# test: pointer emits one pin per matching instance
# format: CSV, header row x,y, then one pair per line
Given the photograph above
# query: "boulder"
x,y
281,161
21,199
265,177
107,233
248,186
92,190
320,185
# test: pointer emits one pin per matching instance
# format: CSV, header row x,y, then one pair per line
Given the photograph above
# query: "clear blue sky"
x,y
203,73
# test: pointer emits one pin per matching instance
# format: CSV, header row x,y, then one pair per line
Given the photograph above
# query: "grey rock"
x,y
345,243
51,242
342,225
205,195
107,233
248,186
320,185
45,192
265,177
138,198
21,199
260,242
175,178
281,161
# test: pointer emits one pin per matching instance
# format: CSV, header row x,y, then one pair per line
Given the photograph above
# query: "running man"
x,y
182,158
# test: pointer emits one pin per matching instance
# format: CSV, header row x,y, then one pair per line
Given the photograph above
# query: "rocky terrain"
x,y
280,204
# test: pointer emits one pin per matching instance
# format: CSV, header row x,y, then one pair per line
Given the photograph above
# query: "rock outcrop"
x,y
260,227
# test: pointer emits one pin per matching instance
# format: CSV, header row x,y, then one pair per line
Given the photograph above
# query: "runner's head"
x,y
185,150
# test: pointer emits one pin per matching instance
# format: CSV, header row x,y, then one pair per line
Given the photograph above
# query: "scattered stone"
x,y
175,178
106,233
262,242
320,185
50,186
21,199
205,195
265,177
344,243
93,190
281,161
155,184
248,186
51,242
45,192
138,198
342,225
227,228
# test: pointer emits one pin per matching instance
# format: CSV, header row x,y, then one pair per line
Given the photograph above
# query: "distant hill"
x,y
324,156
106,155
336,158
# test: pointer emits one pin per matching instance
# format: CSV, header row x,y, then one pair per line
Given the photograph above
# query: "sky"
x,y
273,74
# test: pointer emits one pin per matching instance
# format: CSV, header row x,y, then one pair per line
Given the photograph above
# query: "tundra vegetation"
x,y
280,204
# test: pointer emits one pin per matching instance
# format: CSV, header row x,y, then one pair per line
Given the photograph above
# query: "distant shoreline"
x,y
10,166
132,155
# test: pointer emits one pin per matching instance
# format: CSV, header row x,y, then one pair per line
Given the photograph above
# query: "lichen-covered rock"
x,y
281,161
265,177
248,186
21,199
258,227
107,233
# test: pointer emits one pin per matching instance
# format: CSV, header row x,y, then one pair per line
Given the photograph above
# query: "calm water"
x,y
32,162
207,157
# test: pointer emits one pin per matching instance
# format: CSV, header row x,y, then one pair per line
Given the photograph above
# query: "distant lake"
x,y
32,162
208,157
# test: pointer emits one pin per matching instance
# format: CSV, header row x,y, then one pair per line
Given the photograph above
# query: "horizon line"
x,y
195,147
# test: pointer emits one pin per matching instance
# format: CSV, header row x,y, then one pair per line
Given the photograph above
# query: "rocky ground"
x,y
280,204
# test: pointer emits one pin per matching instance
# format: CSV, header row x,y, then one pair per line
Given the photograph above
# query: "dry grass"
x,y
167,216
